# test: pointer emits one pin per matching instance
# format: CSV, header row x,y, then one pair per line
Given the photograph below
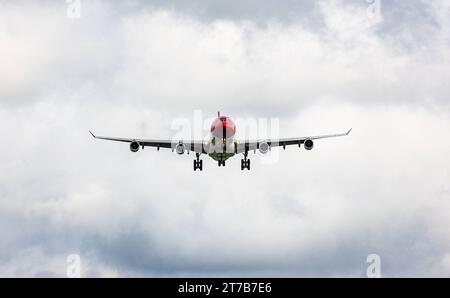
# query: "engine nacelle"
x,y
264,147
309,144
180,148
134,146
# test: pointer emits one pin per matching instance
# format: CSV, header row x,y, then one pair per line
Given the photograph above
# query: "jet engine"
x,y
180,148
264,147
134,146
309,144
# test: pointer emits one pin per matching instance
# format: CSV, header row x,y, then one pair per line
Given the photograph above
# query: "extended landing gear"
x,y
221,163
245,163
198,164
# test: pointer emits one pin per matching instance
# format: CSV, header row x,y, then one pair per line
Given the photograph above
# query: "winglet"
x,y
349,131
218,114
92,134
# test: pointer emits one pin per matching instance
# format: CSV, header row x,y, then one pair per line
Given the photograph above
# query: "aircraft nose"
x,y
223,129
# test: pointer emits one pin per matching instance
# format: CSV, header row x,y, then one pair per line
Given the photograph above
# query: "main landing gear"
x,y
198,164
245,163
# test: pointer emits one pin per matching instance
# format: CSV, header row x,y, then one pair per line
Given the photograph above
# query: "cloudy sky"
x,y
134,68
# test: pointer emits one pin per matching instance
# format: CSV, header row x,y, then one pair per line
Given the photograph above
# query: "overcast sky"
x,y
132,68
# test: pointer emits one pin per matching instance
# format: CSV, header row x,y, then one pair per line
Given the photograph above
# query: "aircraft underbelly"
x,y
220,156
221,149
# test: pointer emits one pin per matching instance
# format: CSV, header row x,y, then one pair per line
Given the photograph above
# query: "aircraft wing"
x,y
242,146
195,146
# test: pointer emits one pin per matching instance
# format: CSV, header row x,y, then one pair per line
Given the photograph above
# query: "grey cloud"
x,y
119,56
289,11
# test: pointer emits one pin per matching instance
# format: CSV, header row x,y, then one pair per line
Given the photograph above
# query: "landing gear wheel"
x,y
221,163
198,164
245,164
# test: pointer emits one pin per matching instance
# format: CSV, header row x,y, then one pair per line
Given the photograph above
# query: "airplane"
x,y
222,145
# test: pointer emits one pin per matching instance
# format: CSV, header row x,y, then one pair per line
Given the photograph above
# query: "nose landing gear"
x,y
221,163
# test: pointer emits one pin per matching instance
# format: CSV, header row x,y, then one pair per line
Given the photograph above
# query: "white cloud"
x,y
383,190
